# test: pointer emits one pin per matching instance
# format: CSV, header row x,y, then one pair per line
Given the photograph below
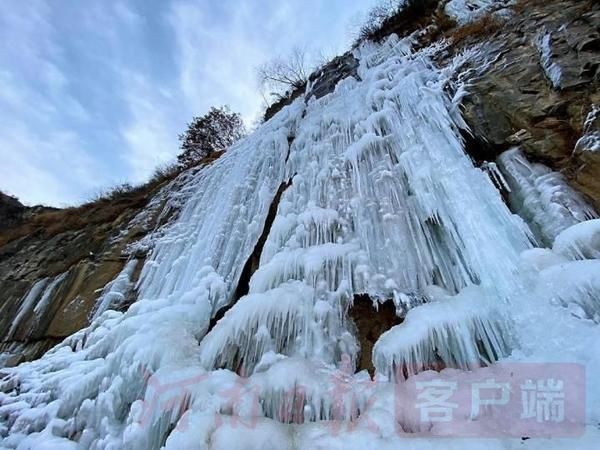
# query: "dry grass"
x,y
104,208
47,224
483,27
522,5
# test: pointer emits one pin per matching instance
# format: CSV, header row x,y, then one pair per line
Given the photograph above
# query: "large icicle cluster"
x,y
380,199
377,205
462,331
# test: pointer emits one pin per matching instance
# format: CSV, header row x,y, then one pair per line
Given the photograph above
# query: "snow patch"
x,y
581,241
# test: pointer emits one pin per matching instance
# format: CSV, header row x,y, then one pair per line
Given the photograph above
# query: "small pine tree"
x,y
215,131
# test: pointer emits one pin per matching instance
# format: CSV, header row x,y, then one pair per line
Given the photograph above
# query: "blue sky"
x,y
94,92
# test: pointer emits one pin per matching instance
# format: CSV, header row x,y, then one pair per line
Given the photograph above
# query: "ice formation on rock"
x,y
115,292
542,197
581,241
94,377
378,198
35,302
465,11
575,285
551,68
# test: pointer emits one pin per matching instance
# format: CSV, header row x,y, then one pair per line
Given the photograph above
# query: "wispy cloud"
x,y
35,145
151,132
95,93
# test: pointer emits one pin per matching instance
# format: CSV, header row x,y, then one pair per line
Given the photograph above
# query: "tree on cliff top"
x,y
215,131
280,76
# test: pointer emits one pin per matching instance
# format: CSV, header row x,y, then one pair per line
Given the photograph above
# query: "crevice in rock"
x,y
371,321
253,260
32,340
480,150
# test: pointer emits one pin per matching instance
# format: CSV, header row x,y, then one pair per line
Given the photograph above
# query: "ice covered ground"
x,y
382,200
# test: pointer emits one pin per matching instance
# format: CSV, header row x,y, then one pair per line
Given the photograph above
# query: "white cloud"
x,y
216,60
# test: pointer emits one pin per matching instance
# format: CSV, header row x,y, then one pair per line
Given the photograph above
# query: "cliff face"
x,y
423,204
55,264
541,89
538,92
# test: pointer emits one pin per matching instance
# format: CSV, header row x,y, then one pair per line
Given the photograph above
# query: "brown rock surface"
x,y
84,248
515,102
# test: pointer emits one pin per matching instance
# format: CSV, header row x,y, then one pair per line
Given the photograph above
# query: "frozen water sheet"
x,y
87,385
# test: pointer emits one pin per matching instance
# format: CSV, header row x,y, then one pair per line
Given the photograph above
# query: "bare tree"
x,y
281,75
376,17
215,131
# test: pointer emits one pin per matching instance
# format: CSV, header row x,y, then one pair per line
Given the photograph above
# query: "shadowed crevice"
x,y
371,321
253,260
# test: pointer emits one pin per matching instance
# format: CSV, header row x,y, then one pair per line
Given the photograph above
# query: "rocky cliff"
x,y
537,90
425,202
55,264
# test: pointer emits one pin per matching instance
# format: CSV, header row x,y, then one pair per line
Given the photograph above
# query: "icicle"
x,y
238,340
115,292
383,200
496,175
551,68
464,332
590,141
295,390
331,262
27,304
33,306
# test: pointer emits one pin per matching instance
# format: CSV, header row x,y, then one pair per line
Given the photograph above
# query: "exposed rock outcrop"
x,y
55,264
517,101
11,211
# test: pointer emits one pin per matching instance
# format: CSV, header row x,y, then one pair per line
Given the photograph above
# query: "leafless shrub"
x,y
281,76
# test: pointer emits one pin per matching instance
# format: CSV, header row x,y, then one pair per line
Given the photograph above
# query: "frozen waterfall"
x,y
378,198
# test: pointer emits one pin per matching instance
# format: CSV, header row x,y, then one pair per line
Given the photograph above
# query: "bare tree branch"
x,y
281,75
